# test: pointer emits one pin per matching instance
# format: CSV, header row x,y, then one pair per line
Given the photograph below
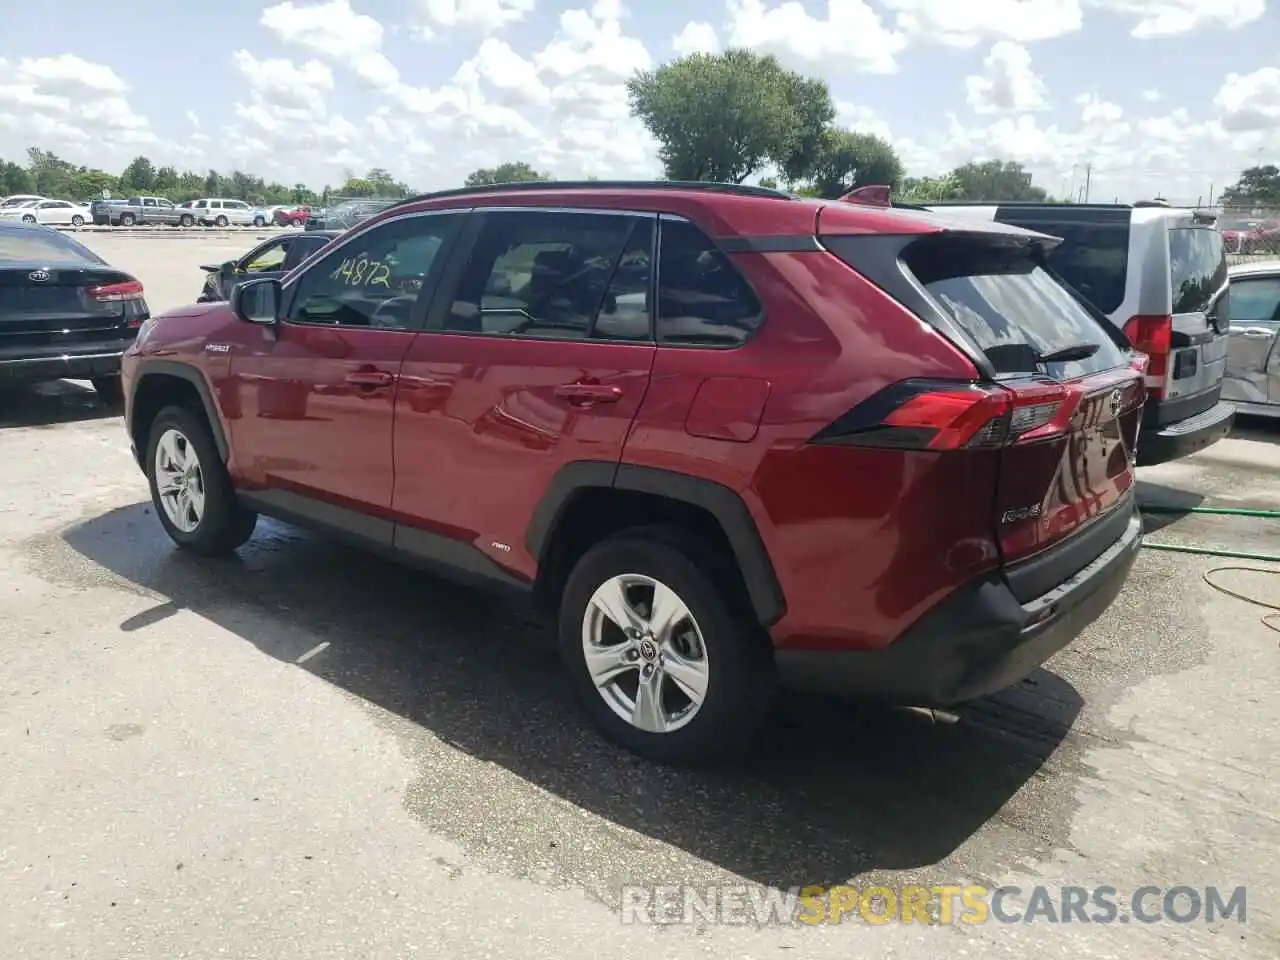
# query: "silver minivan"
x,y
217,212
1155,271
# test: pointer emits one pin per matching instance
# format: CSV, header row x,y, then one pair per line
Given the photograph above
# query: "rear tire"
x,y
259,222
28,218
205,517
109,389
186,220
126,220
713,648
77,221
221,221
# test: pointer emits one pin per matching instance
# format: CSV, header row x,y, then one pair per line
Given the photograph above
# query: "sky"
x,y
1138,98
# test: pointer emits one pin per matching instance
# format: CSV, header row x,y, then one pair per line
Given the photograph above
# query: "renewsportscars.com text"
x,y
813,905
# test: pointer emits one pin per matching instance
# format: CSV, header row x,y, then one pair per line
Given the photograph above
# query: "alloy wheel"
x,y
179,480
645,653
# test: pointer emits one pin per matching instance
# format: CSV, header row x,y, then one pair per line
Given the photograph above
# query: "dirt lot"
x,y
311,753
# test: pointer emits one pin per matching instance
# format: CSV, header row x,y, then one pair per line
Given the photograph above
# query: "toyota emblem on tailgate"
x,y
38,276
1117,403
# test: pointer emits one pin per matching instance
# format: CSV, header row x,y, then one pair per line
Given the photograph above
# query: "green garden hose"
x,y
1270,619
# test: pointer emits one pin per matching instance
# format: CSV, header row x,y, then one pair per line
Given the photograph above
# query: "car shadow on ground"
x,y
828,792
50,404
1162,505
1260,429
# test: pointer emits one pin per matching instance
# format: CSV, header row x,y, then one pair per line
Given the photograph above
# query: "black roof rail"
x,y
709,186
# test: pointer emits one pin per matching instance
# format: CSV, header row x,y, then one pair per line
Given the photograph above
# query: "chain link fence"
x,y
1250,234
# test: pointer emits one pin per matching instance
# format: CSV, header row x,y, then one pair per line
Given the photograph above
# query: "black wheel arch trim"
x,y
721,502
193,376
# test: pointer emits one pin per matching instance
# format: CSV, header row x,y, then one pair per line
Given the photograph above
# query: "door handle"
x,y
371,378
589,393
1256,333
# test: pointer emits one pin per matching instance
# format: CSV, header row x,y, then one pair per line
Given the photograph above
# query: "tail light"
x,y
116,292
949,415
1152,335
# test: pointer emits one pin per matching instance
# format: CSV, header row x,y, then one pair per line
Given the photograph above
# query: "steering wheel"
x,y
384,310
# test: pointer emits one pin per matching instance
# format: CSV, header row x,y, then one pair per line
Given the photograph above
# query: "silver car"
x,y
1252,306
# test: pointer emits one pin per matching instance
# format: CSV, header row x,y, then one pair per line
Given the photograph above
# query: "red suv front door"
x,y
537,353
317,392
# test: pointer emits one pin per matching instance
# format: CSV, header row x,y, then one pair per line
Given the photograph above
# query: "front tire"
x,y
190,487
77,221
28,218
259,222
690,680
221,222
109,389
186,220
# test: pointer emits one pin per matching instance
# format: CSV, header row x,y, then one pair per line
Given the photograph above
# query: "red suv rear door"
x,y
537,353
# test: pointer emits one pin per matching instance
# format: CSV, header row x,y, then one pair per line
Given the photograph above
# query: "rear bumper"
x,y
1183,437
74,367
975,643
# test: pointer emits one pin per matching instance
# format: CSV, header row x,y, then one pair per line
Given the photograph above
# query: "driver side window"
x,y
270,257
374,280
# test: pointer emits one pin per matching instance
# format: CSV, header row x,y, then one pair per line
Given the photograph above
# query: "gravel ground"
x,y
308,752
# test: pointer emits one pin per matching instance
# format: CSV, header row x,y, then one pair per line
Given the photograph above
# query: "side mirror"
x,y
257,301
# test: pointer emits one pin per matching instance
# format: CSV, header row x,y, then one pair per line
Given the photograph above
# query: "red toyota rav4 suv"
x,y
726,435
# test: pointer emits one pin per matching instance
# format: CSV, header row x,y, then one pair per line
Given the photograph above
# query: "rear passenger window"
x,y
702,299
1197,267
548,275
1014,310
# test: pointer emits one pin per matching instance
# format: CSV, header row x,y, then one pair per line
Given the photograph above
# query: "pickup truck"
x,y
141,210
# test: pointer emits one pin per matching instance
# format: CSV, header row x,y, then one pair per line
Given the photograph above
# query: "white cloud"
x,y
850,37
507,74
335,30
1169,18
696,36
1007,83
283,84
70,106
1151,96
966,24
485,16
592,46
193,118
1250,101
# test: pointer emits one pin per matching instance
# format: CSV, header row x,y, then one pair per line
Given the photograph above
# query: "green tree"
x,y
88,184
930,189
1257,187
138,177
15,179
51,175
723,117
212,184
997,180
847,159
514,172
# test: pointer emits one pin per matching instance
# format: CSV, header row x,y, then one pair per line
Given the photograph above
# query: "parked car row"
x,y
43,210
208,212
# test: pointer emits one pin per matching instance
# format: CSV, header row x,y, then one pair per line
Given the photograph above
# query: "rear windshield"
x,y
34,243
1012,308
1197,267
1093,256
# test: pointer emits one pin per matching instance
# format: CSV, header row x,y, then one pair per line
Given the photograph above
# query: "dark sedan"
x,y
271,258
64,311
